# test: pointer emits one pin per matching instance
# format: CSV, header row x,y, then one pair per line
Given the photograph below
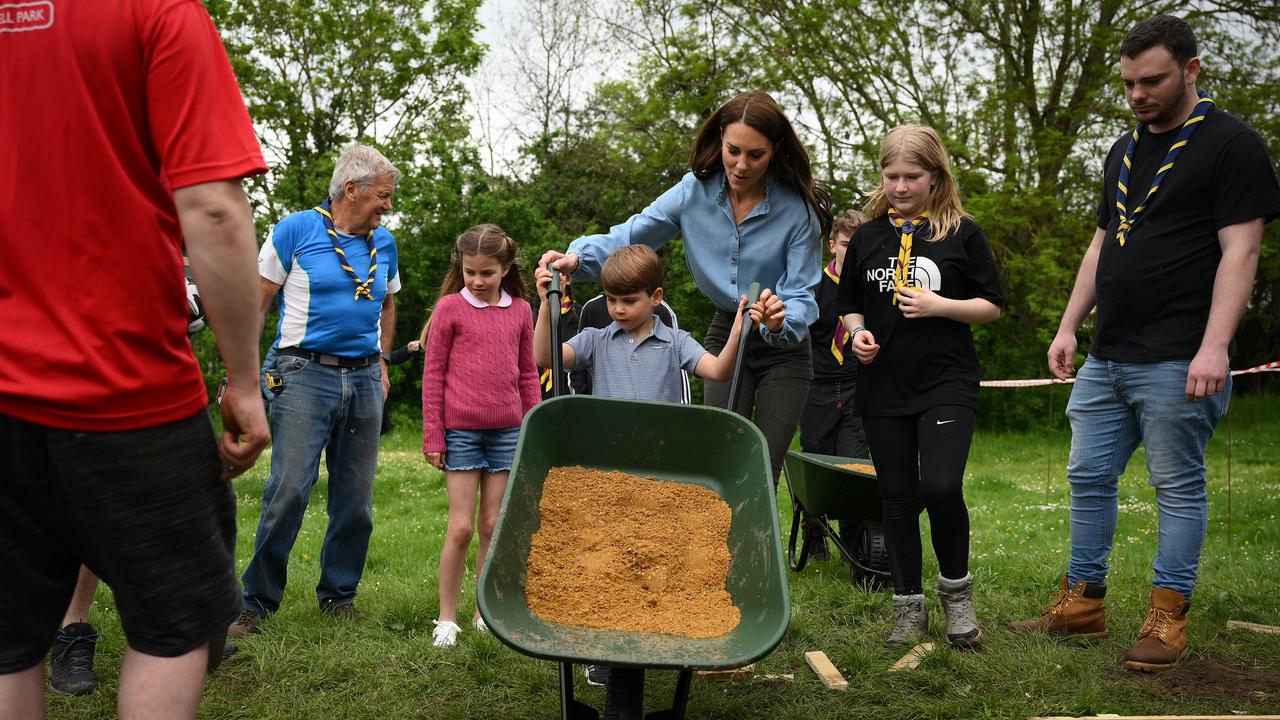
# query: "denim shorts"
x,y
491,450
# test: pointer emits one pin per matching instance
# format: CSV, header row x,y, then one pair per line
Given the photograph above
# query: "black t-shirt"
x,y
924,362
1153,294
826,368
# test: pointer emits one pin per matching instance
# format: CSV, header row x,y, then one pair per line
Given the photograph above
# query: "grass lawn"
x,y
384,668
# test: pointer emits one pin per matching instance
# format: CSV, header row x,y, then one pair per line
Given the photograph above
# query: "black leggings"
x,y
920,463
774,383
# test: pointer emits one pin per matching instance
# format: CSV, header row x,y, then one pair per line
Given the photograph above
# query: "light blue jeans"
x,y
338,411
1114,407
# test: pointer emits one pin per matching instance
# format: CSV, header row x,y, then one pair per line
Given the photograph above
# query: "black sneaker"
x,y
597,675
71,660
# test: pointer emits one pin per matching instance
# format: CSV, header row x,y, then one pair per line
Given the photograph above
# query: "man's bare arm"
x,y
217,226
1232,285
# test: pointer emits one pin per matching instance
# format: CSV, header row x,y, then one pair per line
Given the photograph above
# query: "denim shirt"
x,y
775,245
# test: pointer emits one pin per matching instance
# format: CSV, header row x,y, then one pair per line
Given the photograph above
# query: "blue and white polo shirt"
x,y
318,307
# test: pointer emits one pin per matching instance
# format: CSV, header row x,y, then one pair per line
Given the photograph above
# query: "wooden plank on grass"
x,y
739,673
830,676
1256,627
1160,717
913,658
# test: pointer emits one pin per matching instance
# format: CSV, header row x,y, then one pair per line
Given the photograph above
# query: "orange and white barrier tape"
x,y
1265,367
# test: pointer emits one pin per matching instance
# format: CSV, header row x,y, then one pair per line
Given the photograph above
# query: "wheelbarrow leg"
x,y
571,709
679,703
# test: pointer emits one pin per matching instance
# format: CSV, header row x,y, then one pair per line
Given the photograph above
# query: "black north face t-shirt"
x,y
1153,294
923,362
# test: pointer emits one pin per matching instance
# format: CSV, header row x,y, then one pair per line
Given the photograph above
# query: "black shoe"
x,y
597,675
71,660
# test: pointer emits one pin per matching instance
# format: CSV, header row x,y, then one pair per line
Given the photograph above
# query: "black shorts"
x,y
144,509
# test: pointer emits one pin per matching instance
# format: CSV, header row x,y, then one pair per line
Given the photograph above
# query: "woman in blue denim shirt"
x,y
749,211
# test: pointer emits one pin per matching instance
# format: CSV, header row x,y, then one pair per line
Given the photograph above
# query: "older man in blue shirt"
x,y
335,271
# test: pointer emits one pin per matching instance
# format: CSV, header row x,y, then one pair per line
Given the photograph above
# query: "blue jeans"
x,y
339,411
1113,407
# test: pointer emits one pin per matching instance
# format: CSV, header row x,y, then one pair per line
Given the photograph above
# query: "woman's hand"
x,y
769,311
865,347
917,302
436,459
559,261
414,346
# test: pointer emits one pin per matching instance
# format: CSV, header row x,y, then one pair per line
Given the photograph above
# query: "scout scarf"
x,y
566,303
362,288
1127,221
907,229
841,334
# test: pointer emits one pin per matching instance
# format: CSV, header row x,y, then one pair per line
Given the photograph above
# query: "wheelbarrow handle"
x,y
554,295
735,384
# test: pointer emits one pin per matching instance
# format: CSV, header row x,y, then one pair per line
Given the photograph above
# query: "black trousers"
x,y
920,462
774,382
828,425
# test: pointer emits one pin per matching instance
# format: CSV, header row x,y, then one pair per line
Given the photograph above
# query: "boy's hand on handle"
x,y
436,459
1062,355
769,311
556,260
865,347
542,278
752,313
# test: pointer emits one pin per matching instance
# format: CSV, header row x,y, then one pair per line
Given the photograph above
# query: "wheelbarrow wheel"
x,y
624,695
870,554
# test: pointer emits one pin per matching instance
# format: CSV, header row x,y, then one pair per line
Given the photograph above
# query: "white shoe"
x,y
445,634
479,624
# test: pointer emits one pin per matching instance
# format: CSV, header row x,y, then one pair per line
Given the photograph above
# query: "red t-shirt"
x,y
107,107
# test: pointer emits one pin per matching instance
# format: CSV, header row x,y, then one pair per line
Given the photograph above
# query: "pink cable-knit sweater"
x,y
479,372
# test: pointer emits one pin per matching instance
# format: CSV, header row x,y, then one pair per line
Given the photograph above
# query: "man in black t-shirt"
x,y
1184,199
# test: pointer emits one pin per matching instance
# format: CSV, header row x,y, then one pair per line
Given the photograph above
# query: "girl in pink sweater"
x,y
478,381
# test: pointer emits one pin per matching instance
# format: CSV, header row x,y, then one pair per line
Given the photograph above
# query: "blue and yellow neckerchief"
x,y
906,229
1127,221
362,288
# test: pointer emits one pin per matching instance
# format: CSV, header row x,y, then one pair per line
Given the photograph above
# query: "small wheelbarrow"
x,y
699,445
822,491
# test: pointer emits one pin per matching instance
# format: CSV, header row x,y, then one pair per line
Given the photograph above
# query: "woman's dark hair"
x,y
790,162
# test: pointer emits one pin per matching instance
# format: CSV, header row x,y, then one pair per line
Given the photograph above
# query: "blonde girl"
x,y
478,381
916,275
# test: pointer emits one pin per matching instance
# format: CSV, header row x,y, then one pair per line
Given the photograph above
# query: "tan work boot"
x,y
1162,641
1079,611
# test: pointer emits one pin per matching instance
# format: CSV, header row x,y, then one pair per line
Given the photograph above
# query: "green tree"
x,y
318,75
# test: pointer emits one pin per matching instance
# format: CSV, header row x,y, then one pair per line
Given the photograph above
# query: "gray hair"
x,y
360,164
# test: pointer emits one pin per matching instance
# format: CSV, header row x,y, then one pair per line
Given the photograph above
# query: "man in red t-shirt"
x,y
125,134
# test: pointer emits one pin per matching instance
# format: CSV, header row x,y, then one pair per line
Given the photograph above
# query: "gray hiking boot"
x,y
911,621
963,630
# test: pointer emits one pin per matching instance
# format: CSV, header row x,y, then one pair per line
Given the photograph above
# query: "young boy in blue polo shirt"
x,y
636,357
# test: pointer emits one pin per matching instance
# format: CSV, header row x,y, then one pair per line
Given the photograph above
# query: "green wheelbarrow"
x,y
823,491
699,445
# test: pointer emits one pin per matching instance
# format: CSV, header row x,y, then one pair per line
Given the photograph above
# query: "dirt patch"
x,y
1253,681
621,552
859,467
